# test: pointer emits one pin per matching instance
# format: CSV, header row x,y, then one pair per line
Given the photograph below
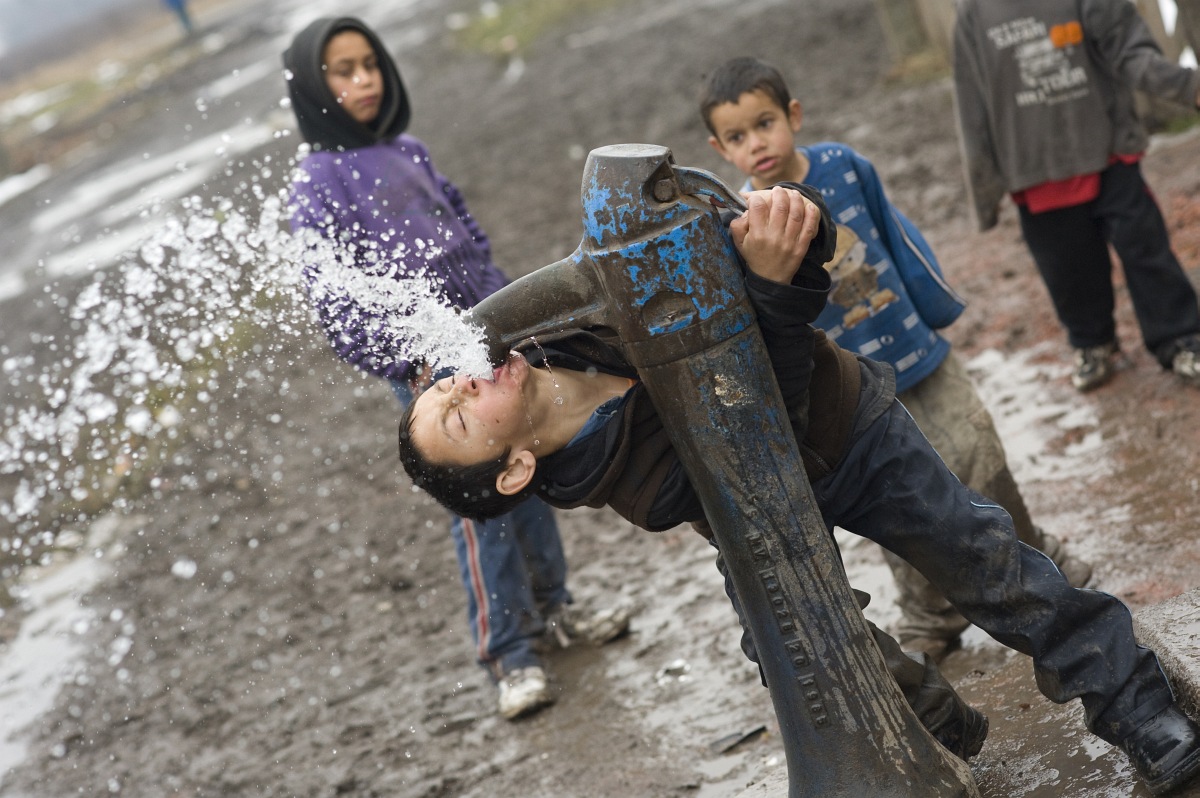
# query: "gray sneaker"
x,y
524,691
571,623
1186,362
1093,366
1077,572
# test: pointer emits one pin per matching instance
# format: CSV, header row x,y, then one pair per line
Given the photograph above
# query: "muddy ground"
x,y
318,648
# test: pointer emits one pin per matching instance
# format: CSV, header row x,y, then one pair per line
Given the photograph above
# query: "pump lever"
x,y
702,183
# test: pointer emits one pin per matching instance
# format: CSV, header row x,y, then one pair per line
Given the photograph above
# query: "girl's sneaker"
x,y
524,691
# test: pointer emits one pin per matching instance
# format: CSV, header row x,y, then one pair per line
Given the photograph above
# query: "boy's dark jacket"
x,y
631,465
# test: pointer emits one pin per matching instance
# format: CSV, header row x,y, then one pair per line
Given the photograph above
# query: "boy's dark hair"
x,y
468,491
739,76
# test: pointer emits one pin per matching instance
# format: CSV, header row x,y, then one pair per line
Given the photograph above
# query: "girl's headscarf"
x,y
324,123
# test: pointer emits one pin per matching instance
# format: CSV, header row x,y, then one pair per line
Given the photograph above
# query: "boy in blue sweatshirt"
x,y
887,302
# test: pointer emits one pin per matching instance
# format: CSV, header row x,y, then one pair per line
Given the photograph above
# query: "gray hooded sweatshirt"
x,y
1044,91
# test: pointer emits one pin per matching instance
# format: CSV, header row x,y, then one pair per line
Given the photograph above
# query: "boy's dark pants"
x,y
1070,247
893,488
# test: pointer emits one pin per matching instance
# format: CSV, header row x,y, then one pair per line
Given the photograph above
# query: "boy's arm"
x,y
1124,44
785,311
985,183
785,238
774,234
787,285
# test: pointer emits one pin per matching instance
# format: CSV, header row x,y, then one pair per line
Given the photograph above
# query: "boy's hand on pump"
x,y
774,233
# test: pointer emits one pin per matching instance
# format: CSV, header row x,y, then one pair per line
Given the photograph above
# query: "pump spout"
x,y
564,295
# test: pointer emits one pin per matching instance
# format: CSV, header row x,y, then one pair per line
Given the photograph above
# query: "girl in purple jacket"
x,y
371,191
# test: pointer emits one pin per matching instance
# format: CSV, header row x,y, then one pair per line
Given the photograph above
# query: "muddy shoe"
x,y
1077,572
938,648
1186,363
571,623
1165,751
523,692
1093,366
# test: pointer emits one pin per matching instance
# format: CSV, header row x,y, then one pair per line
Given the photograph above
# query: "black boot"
x,y
959,727
964,738
1165,750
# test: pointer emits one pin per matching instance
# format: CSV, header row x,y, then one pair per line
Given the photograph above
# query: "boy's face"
x,y
755,135
465,421
352,74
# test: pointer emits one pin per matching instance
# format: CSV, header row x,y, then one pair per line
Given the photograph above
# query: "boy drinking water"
x,y
586,433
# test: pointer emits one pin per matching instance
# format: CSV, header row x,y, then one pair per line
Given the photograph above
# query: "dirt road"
x,y
279,614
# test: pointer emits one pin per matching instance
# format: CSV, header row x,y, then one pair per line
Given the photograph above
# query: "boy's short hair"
x,y
739,76
468,491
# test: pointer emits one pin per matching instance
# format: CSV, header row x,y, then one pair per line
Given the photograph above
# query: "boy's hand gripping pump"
x,y
656,266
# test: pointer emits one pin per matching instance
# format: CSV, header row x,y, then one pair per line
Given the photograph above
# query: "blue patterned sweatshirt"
x,y
888,296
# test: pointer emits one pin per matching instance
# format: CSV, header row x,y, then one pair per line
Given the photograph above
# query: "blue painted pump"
x,y
657,267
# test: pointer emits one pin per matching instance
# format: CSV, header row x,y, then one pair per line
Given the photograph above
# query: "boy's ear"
x,y
516,475
795,115
716,144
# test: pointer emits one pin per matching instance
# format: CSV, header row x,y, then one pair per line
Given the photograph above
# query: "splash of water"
x,y
153,330
407,316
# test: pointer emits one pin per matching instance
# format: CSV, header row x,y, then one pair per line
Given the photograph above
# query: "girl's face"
x,y
352,74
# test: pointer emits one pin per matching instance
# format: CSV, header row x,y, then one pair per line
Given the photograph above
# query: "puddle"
x,y
46,651
1028,414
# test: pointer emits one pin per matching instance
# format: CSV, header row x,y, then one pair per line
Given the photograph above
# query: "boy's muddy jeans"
x,y
948,410
892,488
